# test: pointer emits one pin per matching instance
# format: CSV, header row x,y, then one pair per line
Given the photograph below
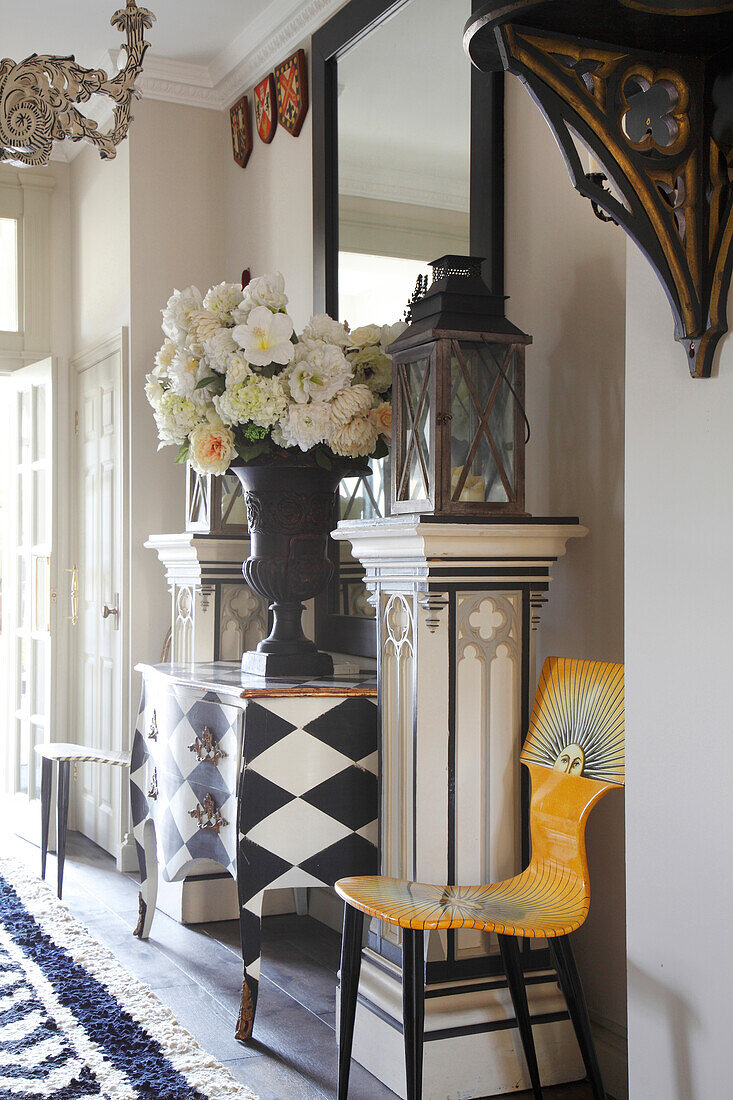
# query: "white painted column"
x,y
457,606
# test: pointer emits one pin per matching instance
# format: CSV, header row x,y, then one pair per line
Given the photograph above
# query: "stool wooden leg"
x,y
62,812
413,1008
46,784
567,972
511,959
350,969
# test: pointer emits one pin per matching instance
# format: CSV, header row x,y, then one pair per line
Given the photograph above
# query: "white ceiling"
x,y
191,31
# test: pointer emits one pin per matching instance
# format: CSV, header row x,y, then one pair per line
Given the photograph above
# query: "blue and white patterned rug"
x,y
74,1023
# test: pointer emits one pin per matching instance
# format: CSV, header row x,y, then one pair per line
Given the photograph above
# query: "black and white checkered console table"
x,y
274,780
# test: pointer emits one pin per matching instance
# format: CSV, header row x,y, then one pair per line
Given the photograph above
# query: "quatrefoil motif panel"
x,y
652,113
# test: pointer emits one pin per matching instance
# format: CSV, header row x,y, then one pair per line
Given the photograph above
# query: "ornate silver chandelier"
x,y
38,97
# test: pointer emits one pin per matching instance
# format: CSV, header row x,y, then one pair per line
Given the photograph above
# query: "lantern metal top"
x,y
457,302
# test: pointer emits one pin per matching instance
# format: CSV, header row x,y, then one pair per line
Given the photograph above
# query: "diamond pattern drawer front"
x,y
281,790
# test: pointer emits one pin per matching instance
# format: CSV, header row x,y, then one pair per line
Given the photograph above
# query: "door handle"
x,y
74,595
113,611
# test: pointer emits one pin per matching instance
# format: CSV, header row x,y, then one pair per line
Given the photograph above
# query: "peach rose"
x,y
211,448
381,418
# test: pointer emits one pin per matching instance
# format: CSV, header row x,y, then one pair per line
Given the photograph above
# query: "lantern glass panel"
x,y
417,442
482,405
233,510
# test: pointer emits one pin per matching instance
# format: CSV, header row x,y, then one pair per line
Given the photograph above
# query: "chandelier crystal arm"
x,y
38,97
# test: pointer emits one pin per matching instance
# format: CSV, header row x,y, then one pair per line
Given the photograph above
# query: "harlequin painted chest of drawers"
x,y
275,781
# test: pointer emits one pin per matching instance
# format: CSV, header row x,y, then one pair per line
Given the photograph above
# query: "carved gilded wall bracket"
x,y
38,97
649,93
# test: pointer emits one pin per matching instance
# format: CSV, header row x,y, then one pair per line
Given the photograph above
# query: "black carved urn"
x,y
291,509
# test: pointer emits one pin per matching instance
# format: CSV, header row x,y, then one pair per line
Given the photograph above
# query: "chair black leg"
x,y
46,784
511,959
413,1007
567,972
62,811
350,969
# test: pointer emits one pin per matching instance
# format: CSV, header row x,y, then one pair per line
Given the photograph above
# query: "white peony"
x,y
355,439
240,315
237,369
153,391
355,401
305,426
258,400
222,299
365,336
265,339
177,314
163,359
211,447
175,417
373,367
184,372
203,323
268,290
321,373
323,327
218,348
390,333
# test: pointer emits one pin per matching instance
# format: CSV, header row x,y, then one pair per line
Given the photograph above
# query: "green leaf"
x,y
382,448
182,455
249,451
322,458
206,382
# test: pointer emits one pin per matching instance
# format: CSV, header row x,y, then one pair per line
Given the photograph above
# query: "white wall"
x,y
269,215
100,245
565,275
178,228
679,606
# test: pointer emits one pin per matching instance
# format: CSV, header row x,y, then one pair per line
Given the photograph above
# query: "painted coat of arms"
x,y
241,131
266,109
291,81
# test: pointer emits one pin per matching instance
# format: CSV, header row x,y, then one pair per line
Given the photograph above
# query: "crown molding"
x,y
392,183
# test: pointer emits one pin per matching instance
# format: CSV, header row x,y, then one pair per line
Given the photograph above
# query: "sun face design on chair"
x,y
574,752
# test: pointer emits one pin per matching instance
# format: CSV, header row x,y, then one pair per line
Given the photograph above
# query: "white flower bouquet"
x,y
234,381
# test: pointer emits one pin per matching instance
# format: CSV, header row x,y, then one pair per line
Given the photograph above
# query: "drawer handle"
x,y
206,748
208,816
153,792
153,731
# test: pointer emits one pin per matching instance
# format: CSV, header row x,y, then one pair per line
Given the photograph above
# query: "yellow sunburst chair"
x,y
575,754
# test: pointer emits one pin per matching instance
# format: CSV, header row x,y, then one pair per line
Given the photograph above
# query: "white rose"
x,y
184,372
177,314
265,339
365,336
218,348
355,439
390,333
323,327
268,290
153,391
320,374
237,369
305,426
211,448
222,299
355,401
163,359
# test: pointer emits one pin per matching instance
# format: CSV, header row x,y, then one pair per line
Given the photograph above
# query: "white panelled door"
x,y
30,582
101,675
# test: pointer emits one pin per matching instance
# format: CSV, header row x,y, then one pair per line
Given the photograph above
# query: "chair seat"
x,y
545,900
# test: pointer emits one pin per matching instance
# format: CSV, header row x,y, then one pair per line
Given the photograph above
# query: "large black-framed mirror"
x,y
408,164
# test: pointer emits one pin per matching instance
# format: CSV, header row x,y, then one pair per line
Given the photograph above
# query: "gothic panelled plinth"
x,y
457,607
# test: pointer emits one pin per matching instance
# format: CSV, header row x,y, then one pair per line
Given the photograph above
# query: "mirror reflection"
x,y
404,108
